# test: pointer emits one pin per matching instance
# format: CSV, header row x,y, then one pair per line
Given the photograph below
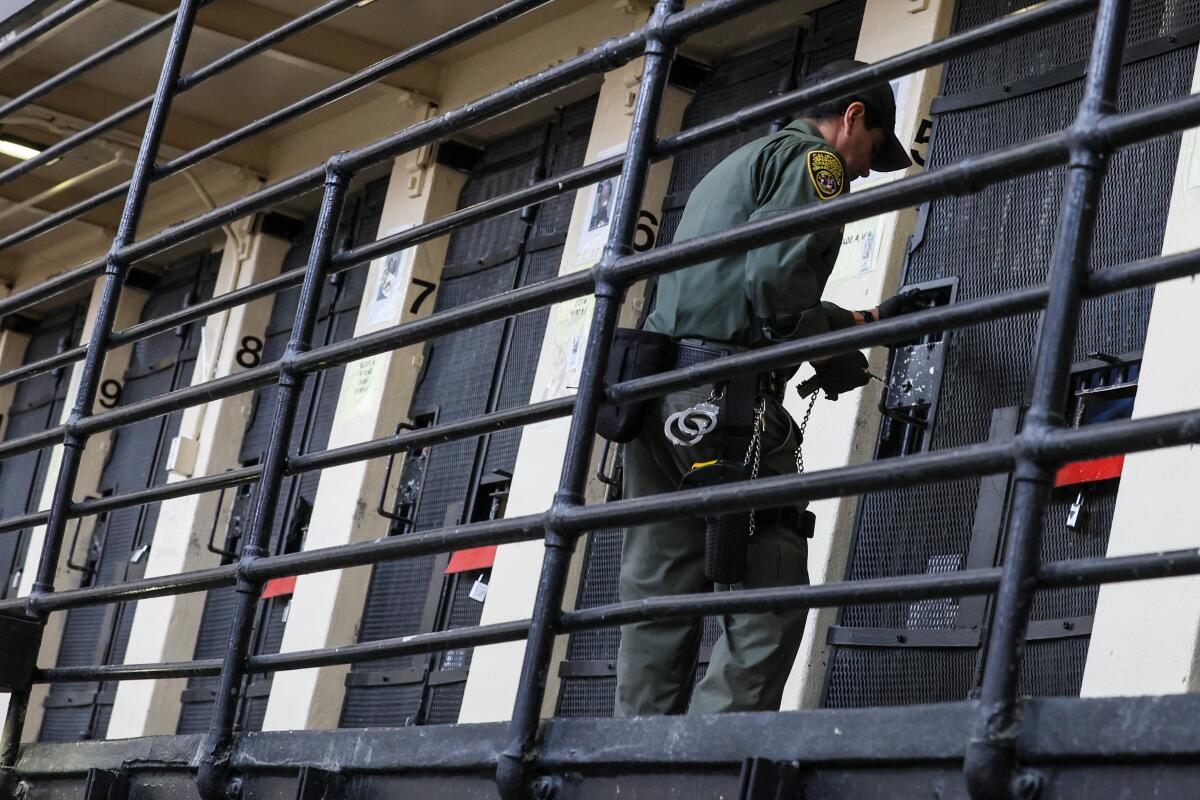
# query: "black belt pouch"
x,y
634,354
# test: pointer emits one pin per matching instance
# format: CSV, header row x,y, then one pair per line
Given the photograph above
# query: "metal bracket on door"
x,y
212,533
381,508
85,569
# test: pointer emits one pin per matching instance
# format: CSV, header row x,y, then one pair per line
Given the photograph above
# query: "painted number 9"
x,y
110,393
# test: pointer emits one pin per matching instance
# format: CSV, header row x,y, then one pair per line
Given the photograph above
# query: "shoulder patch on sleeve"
x,y
826,172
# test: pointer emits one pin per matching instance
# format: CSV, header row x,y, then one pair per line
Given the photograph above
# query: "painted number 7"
x,y
427,288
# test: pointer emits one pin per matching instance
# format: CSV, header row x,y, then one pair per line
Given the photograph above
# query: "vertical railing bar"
x,y
74,440
990,764
213,779
512,770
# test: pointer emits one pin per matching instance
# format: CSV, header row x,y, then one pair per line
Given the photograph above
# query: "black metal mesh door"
x,y
997,240
748,76
336,316
137,459
485,368
37,404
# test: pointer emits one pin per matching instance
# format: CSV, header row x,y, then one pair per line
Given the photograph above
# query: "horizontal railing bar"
x,y
590,173
51,221
341,89
435,434
101,56
1051,575
502,531
43,26
60,148
359,80
178,583
184,488
201,668
899,65
443,540
981,310
1110,438
179,399
416,644
51,287
34,441
309,19
188,81
765,111
606,56
63,359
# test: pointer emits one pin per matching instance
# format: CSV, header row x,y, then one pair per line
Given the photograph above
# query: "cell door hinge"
x,y
106,784
764,779
320,784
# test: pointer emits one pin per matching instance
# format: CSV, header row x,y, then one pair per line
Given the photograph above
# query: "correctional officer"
x,y
743,301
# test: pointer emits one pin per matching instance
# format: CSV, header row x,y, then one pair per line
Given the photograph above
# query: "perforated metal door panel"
x,y
136,460
487,367
337,313
756,73
993,241
37,405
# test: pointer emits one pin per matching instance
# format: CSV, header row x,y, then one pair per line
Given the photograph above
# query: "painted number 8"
x,y
251,353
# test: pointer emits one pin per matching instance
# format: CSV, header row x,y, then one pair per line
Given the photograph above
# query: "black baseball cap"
x,y
877,97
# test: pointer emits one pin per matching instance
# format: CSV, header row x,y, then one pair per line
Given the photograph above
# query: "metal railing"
x,y
1032,456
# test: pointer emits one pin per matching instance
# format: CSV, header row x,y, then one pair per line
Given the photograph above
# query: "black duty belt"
x,y
689,352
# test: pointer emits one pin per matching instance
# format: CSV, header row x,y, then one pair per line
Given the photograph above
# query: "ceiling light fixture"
x,y
17,150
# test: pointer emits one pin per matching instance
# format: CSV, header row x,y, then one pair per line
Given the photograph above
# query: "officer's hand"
x,y
842,373
905,302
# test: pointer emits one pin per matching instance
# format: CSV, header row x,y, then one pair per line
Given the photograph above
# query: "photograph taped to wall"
x,y
391,278
599,203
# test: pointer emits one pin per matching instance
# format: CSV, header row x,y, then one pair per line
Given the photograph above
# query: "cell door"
x,y
121,539
336,316
37,405
482,369
747,76
974,246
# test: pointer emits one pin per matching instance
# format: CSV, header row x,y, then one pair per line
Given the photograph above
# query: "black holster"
x,y
726,536
634,354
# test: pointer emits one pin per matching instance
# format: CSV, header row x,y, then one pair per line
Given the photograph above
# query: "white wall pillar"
x,y
209,440
868,269
129,309
492,682
376,393
1146,635
12,353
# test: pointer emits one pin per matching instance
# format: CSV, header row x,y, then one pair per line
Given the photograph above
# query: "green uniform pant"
x,y
657,659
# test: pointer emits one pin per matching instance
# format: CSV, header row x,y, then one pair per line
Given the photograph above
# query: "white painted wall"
x,y
376,392
1146,635
868,269
165,628
495,669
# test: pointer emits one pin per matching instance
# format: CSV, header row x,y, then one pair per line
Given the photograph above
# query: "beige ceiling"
x,y
287,72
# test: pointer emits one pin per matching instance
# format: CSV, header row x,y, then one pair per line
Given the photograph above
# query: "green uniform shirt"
x,y
771,293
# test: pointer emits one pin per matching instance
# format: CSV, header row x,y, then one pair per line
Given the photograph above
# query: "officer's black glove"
x,y
837,375
905,302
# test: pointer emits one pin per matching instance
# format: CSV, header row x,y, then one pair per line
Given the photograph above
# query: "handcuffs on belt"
x,y
693,424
